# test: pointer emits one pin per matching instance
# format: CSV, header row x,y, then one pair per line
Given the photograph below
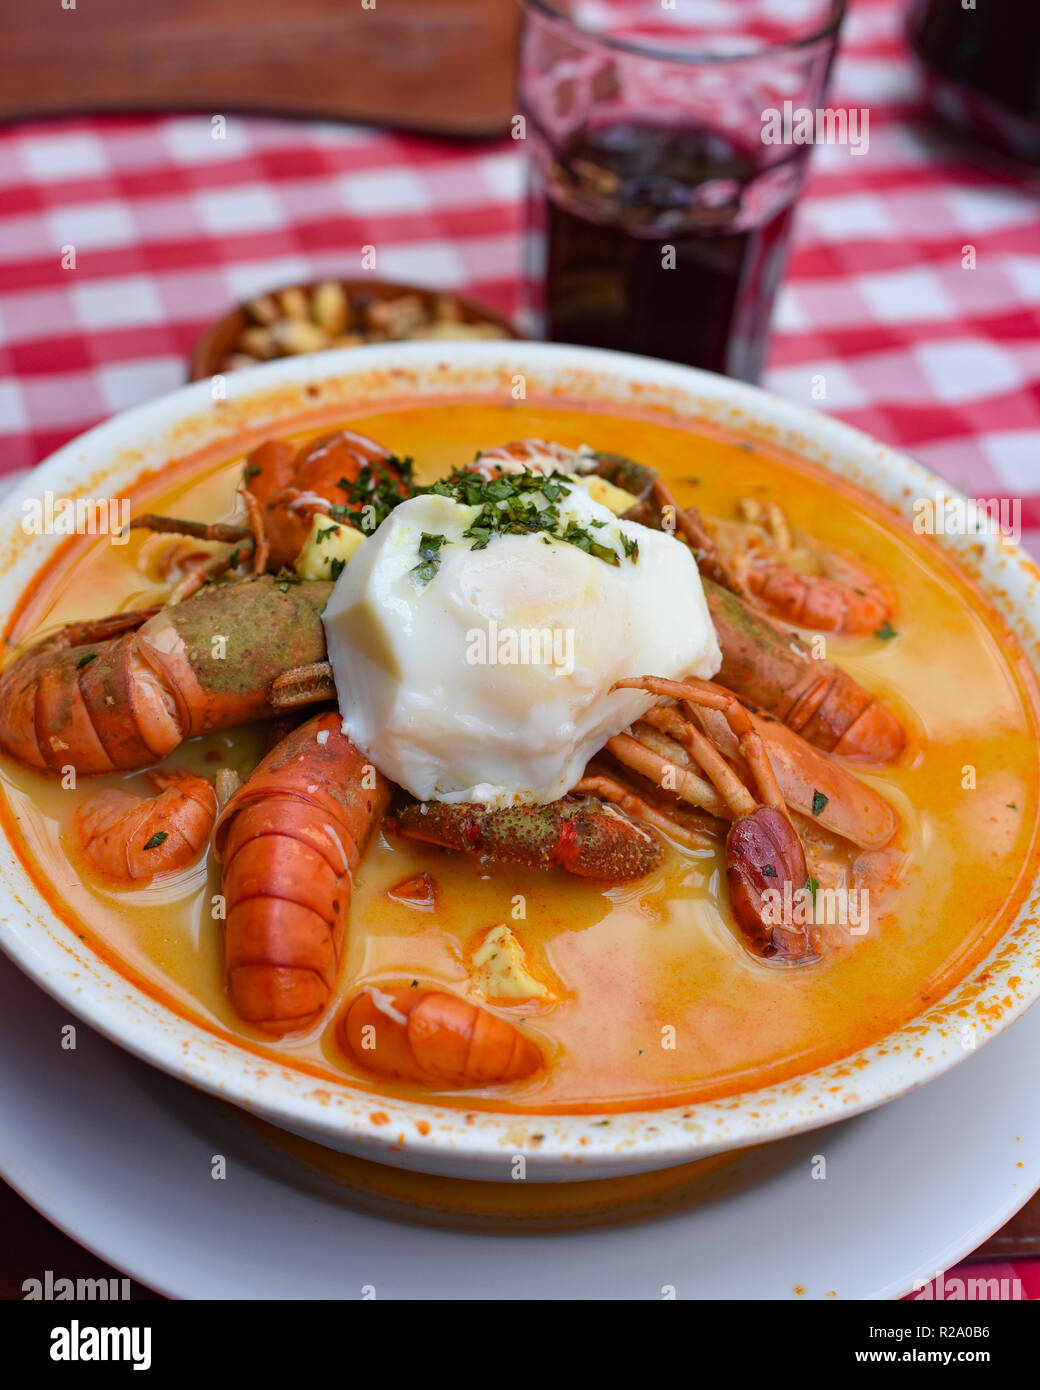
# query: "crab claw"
x,y
580,837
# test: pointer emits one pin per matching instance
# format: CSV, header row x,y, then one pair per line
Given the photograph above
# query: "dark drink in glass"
x,y
651,248
982,66
658,217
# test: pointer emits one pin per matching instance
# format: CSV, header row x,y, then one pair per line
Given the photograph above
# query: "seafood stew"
x,y
735,851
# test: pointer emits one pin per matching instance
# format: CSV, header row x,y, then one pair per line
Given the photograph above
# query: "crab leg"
x,y
663,729
261,544
809,781
639,808
763,851
666,773
749,741
729,786
203,570
201,530
649,734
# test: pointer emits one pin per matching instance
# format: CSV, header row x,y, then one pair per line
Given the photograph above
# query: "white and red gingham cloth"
x,y
169,226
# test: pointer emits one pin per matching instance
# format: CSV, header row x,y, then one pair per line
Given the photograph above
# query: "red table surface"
x,y
929,353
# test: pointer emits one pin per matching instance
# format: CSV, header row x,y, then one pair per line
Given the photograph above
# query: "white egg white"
x,y
490,681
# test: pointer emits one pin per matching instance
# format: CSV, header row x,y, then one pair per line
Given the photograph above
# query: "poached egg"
x,y
478,667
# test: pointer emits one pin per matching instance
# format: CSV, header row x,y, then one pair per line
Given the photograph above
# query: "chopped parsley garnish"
x,y
512,504
577,535
252,470
819,801
517,504
323,533
769,871
374,493
157,839
429,556
86,660
812,884
336,568
405,465
886,631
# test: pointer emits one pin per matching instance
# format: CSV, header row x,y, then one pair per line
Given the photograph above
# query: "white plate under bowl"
x,y
122,1160
431,1137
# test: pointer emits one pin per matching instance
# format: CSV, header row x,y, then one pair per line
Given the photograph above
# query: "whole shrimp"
x,y
733,765
290,839
796,579
133,838
811,782
429,1036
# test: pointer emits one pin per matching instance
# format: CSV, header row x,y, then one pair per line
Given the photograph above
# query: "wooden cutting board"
x,y
439,65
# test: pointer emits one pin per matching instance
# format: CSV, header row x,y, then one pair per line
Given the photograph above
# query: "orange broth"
x,y
657,1002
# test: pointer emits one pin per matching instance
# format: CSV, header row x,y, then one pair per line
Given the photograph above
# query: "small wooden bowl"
x,y
221,341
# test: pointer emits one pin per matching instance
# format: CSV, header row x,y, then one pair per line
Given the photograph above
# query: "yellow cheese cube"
x,y
327,549
616,499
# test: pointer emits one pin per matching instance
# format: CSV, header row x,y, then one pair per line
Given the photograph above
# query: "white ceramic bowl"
x,y
437,1139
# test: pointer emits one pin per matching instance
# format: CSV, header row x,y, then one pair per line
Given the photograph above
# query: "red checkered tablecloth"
x,y
122,237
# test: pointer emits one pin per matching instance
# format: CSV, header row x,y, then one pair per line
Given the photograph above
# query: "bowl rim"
x,y
483,1142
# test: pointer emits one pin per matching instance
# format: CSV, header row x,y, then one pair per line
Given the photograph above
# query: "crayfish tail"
x,y
435,1038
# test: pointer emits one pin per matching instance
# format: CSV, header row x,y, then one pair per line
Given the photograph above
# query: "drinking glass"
x,y
982,69
665,166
